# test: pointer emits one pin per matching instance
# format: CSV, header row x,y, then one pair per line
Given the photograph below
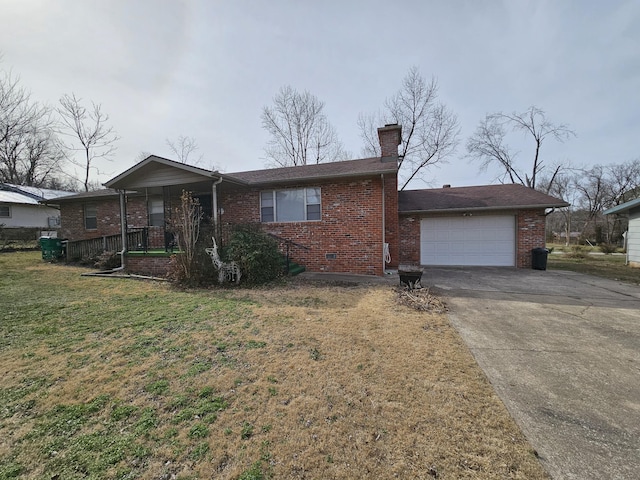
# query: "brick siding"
x,y
409,240
153,266
531,234
72,225
350,229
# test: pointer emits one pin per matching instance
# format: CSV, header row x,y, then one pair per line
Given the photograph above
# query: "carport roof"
x,y
484,197
624,207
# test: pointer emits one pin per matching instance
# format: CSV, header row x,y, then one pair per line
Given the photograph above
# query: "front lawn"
x,y
108,378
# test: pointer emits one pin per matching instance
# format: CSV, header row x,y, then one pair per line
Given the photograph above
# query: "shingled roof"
x,y
349,168
484,197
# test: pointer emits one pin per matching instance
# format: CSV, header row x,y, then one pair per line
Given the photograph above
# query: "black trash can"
x,y
539,258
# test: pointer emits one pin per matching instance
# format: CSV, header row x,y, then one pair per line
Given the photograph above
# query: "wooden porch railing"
x,y
79,249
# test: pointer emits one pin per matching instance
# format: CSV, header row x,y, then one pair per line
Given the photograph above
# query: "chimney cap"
x,y
446,185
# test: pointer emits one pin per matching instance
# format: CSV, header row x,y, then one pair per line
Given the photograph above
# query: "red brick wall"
x,y
148,265
72,219
530,235
390,137
108,219
409,240
351,225
392,227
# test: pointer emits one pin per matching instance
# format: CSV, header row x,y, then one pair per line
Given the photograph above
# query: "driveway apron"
x,y
562,351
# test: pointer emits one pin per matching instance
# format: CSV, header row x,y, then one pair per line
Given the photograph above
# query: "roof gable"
x,y
156,171
485,197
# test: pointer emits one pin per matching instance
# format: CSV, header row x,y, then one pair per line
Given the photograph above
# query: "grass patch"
x,y
607,266
108,378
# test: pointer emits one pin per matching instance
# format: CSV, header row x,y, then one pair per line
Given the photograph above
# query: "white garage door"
x,y
473,241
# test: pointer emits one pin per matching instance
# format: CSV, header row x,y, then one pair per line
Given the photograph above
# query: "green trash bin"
x,y
51,248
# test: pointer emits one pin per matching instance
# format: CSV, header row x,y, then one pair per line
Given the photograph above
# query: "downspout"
x,y
214,203
123,231
384,228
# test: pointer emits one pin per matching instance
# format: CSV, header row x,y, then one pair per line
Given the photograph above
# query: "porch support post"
x,y
123,227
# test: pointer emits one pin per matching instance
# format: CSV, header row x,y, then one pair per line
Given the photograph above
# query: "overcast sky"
x,y
206,69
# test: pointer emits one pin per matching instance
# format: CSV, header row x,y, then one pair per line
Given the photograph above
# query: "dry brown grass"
x,y
321,381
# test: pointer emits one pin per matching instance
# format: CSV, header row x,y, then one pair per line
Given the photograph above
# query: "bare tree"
x,y
183,148
605,186
89,129
29,149
300,132
488,144
624,180
429,129
562,184
185,224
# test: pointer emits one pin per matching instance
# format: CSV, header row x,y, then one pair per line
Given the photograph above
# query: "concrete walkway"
x,y
562,351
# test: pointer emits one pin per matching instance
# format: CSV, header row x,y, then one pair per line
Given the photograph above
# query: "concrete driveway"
x,y
562,350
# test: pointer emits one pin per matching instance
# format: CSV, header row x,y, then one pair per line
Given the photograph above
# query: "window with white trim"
x,y
90,216
156,212
5,211
290,205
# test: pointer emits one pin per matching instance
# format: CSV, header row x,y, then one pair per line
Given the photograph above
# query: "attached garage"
x,y
489,225
468,241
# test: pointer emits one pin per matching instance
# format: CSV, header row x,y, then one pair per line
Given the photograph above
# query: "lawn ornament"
x,y
227,272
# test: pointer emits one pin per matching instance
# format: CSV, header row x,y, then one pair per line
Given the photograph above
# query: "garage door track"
x,y
562,350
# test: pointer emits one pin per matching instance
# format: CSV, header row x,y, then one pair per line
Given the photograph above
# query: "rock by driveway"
x,y
562,351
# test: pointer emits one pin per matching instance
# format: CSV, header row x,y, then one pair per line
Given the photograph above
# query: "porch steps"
x,y
294,268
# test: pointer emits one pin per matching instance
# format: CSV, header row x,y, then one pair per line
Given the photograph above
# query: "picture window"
x,y
291,205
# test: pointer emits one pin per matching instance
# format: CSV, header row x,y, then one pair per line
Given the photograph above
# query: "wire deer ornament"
x,y
227,272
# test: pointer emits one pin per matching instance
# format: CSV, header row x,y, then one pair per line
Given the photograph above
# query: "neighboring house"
x,y
632,240
332,217
22,208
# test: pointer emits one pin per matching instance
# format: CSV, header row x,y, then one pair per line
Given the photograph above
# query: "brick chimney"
x,y
390,137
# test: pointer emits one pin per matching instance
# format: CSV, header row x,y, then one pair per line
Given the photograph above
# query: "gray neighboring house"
x,y
23,208
632,210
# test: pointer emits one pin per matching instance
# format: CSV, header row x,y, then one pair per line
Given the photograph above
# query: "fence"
x,y
79,249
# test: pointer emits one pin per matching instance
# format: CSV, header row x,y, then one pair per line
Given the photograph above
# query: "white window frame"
x,y
86,207
305,209
159,203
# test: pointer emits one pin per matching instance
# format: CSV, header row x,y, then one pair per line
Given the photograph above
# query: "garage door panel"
x,y
472,241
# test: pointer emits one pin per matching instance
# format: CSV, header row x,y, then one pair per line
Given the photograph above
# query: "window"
x,y
293,205
5,211
90,217
156,212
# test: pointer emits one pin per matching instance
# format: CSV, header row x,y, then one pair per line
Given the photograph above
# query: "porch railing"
x,y
78,249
